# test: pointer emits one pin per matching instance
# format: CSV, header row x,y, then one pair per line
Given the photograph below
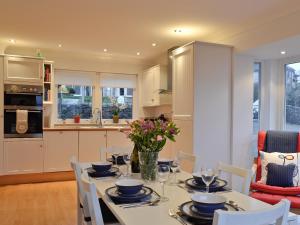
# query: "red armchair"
x,y
272,194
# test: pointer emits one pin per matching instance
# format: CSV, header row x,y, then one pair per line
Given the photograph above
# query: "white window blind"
x,y
117,80
69,77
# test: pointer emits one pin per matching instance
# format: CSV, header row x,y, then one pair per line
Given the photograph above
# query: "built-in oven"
x,y
27,101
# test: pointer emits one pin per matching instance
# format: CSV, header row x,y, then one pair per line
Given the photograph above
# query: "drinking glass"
x,y
116,155
127,160
163,172
208,175
175,166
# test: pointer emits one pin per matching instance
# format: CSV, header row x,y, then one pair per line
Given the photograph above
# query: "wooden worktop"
x,y
79,128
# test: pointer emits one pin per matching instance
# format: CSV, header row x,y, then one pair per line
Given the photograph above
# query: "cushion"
x,y
280,175
274,199
280,159
281,141
275,190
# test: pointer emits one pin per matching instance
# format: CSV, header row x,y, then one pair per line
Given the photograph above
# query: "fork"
x,y
174,215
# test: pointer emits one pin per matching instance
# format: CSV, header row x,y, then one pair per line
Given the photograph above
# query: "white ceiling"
x,y
126,27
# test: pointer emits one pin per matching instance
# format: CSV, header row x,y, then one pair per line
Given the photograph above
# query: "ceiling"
x,y
125,27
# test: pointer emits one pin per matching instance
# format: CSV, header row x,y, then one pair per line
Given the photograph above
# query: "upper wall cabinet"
x,y
23,69
154,80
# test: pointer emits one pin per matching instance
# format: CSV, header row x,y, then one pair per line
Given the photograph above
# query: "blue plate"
x,y
218,185
188,210
118,197
109,173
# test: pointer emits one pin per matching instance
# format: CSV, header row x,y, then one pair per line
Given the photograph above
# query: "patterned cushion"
x,y
280,159
280,175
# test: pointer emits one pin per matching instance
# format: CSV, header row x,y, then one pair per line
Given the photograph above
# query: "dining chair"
x,y
276,214
90,191
241,172
187,161
83,215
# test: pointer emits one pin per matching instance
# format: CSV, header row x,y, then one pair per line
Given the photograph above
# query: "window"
x,y
292,97
256,97
117,99
74,100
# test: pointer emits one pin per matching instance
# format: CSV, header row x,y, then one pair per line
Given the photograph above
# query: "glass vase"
x,y
148,165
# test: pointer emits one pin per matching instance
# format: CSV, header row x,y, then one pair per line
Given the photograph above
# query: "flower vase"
x,y
148,165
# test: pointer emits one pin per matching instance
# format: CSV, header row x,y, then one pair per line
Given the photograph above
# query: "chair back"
x,y
241,172
276,141
187,161
82,199
93,202
276,214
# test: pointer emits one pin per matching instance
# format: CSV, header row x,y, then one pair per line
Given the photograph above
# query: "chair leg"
x,y
80,220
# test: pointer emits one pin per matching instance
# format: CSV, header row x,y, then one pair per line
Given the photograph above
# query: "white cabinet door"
x,y
147,88
21,69
60,146
183,83
117,139
23,156
90,144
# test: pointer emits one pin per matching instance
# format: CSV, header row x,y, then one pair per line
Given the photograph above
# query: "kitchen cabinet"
x,y
23,69
154,80
90,145
23,156
60,146
117,139
1,158
201,106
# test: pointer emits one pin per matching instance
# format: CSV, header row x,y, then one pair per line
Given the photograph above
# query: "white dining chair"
x,y
83,215
187,161
94,208
245,174
276,215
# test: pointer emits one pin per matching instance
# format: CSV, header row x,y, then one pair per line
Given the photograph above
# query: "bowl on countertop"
x,y
129,186
165,161
207,202
101,166
198,178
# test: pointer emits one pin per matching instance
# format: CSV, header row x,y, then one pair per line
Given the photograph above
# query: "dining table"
x,y
158,214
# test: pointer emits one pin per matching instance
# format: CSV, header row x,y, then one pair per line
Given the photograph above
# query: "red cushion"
x,y
274,199
275,190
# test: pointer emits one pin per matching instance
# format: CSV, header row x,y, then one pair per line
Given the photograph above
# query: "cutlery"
x,y
185,188
234,204
174,215
149,203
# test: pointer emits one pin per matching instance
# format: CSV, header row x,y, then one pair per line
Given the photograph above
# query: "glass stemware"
x,y
116,155
163,175
175,166
208,175
127,160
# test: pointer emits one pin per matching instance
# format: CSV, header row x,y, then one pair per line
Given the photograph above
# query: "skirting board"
x,y
36,178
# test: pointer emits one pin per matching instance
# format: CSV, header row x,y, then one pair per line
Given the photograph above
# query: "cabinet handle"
x,y
41,146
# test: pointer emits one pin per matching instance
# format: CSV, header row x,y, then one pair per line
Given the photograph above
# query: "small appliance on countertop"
x,y
23,111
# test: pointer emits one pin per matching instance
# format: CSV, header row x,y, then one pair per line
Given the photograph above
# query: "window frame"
x,y
259,96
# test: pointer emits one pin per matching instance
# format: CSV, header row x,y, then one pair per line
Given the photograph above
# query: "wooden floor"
x,y
52,203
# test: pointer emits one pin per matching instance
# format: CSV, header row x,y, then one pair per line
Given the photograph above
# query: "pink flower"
x,y
159,138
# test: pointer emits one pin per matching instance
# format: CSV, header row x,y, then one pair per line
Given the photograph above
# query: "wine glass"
x,y
127,160
163,175
208,175
116,156
175,166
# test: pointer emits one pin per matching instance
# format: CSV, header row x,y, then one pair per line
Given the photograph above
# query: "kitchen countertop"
x,y
87,128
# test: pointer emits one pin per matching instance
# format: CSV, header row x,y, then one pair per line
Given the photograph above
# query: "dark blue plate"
x,y
188,210
109,173
118,197
218,185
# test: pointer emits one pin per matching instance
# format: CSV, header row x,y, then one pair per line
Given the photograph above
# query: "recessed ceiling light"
x,y
59,45
105,50
178,30
138,53
153,44
13,41
283,52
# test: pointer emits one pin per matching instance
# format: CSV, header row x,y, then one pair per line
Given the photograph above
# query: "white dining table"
x,y
159,215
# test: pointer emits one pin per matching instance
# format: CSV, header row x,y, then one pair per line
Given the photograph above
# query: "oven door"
x,y
23,100
35,124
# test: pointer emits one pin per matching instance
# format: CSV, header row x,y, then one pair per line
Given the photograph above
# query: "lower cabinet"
x,y
60,146
118,139
90,145
23,156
